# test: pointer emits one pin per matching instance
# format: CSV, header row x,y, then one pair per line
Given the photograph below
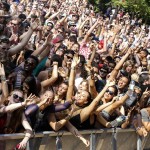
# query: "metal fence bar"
x,y
44,138
58,143
102,137
144,140
93,141
139,142
28,148
114,139
44,142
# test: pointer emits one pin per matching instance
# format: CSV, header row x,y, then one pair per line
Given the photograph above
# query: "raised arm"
x,y
119,65
53,78
4,84
75,61
14,50
12,107
91,81
85,113
93,49
81,26
52,16
90,31
43,47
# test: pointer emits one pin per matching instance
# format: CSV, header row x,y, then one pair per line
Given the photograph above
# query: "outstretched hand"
x,y
34,24
2,71
110,83
31,99
75,61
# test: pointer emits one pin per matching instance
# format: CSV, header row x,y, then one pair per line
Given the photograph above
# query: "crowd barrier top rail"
x,y
64,132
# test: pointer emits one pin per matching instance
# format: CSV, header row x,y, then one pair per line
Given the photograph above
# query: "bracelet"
x,y
29,131
68,117
3,78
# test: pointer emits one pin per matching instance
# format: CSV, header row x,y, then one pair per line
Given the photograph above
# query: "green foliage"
x,y
138,7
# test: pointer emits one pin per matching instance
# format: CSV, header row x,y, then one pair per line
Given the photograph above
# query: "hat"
x,y
50,22
71,23
58,39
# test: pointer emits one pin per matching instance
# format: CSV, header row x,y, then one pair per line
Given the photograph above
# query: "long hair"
x,y
15,121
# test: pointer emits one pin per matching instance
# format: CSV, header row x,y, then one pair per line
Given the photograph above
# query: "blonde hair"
x,y
127,63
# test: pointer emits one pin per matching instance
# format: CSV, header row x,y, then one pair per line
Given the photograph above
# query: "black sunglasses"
x,y
68,57
110,92
29,63
103,71
15,96
4,41
14,24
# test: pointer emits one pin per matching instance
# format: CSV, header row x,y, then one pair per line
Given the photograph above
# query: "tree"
x,y
140,7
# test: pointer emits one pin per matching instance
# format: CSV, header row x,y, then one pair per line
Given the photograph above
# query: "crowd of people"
x,y
64,66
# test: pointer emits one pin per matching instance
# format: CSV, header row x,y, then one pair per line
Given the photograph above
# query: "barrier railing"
x,y
110,139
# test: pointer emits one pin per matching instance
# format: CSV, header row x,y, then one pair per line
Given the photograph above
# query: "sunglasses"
x,y
15,96
29,63
72,25
103,71
138,94
4,41
110,92
60,31
68,57
14,24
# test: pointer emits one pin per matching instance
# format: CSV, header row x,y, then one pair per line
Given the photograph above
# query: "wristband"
x,y
68,117
29,131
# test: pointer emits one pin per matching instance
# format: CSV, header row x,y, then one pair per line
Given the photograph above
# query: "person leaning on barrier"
x,y
16,116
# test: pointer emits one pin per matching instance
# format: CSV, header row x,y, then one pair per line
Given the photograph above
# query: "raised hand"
x,y
75,61
63,72
49,38
34,24
117,29
2,71
20,58
110,83
146,93
31,99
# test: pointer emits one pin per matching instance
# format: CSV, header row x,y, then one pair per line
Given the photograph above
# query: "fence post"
x,y
139,142
114,139
28,147
93,141
58,143
44,141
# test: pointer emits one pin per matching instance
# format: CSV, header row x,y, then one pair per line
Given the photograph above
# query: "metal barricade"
x,y
110,139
